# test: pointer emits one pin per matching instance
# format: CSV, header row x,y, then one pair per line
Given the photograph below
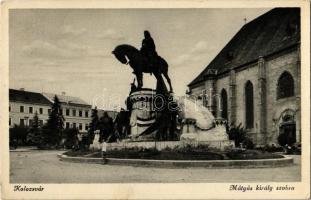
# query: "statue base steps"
x,y
214,138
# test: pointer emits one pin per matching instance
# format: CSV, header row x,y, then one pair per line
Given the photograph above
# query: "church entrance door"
x,y
289,130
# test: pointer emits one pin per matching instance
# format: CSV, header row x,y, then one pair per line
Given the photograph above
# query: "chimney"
x,y
22,89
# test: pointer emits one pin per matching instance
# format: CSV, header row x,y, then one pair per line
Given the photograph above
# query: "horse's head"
x,y
125,52
120,55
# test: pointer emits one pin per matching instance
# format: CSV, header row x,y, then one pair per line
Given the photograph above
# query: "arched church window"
x,y
249,105
285,86
224,104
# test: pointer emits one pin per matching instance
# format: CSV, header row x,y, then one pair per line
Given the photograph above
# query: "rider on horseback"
x,y
148,49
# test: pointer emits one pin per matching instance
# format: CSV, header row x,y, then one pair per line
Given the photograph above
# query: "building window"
x,y
30,109
224,104
9,108
80,126
67,112
74,113
86,127
10,122
61,111
21,109
80,113
22,122
249,105
67,125
41,111
30,122
49,111
285,86
74,125
86,113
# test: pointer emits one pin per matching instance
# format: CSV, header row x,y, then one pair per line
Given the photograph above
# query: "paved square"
x,y
36,166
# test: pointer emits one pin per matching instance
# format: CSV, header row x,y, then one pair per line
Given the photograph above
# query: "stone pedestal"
x,y
143,115
95,145
215,137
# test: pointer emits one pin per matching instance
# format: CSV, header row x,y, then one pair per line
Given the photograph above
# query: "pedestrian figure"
x,y
80,141
104,151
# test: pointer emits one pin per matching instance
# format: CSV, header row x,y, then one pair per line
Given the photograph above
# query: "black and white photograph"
x,y
176,95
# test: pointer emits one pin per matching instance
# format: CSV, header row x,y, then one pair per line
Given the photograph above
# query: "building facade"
x,y
255,79
24,104
77,113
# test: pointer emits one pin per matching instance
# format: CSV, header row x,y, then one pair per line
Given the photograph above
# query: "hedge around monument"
x,y
178,154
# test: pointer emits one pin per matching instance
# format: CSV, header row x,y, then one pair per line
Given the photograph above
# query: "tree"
x,y
239,136
105,125
18,135
94,123
34,136
71,137
55,123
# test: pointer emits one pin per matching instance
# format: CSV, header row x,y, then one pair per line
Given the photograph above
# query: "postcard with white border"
x,y
154,99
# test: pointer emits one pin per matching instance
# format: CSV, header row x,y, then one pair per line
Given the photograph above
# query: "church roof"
x,y
272,32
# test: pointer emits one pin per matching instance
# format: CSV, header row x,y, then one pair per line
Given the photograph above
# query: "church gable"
x,y
270,33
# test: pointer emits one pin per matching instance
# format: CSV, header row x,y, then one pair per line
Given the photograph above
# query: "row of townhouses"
x,y
24,104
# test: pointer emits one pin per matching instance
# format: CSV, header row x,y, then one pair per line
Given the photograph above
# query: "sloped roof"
x,y
66,99
27,97
271,32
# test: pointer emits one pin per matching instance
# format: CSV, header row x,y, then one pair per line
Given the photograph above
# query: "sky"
x,y
69,50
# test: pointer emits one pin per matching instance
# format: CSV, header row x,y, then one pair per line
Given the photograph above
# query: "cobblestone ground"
x,y
45,167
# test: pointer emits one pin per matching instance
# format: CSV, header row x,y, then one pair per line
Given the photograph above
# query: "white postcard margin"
x,y
161,190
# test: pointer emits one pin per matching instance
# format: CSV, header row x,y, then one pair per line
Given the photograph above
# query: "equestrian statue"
x,y
145,60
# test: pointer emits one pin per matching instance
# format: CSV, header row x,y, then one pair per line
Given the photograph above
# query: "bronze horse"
x,y
139,63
